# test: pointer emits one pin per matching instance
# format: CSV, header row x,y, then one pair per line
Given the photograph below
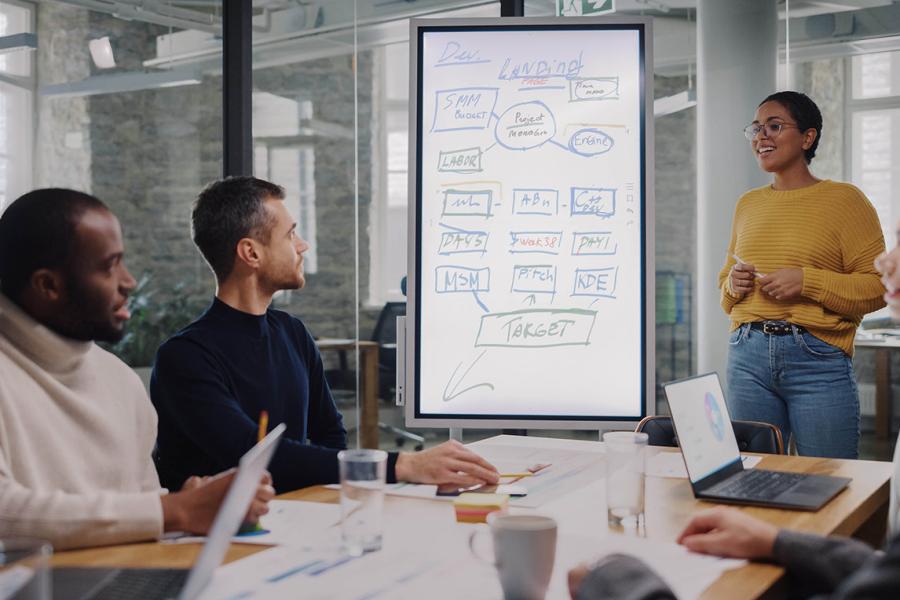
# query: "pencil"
x,y
526,474
263,425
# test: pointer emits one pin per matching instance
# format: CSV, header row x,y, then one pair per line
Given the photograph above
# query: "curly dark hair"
x,y
804,111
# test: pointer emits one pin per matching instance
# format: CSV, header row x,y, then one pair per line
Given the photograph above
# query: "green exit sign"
x,y
578,8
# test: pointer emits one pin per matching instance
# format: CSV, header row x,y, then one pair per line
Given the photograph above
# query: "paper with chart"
x,y
531,223
565,466
288,523
409,567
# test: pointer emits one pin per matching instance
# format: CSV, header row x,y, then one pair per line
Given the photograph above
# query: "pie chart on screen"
x,y
714,416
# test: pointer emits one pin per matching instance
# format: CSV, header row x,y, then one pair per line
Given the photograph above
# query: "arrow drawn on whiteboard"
x,y
531,299
453,392
563,146
480,303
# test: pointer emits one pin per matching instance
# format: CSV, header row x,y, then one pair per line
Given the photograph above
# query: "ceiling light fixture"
x,y
102,53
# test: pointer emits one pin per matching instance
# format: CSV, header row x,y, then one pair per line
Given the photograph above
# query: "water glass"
x,y
25,569
625,456
363,474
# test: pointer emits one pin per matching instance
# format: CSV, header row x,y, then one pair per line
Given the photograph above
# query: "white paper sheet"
x,y
289,523
406,570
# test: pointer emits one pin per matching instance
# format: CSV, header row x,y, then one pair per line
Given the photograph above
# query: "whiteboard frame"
x,y
413,419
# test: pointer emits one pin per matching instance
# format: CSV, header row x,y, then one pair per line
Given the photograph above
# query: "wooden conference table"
x,y
883,342
859,511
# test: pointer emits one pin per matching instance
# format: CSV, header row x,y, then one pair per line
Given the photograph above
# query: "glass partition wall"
x,y
330,119
96,102
127,105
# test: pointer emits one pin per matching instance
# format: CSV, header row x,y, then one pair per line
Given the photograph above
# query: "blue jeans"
x,y
798,383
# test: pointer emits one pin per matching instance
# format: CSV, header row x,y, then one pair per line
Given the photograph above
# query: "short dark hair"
x,y
227,211
804,111
37,231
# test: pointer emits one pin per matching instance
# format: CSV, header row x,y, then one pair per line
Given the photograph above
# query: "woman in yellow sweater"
x,y
797,281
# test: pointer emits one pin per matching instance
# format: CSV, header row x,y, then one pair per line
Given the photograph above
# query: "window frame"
x,y
28,84
853,106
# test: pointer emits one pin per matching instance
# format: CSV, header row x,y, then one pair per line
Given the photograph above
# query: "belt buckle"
x,y
775,328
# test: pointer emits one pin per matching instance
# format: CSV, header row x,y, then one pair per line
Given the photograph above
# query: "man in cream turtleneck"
x,y
76,426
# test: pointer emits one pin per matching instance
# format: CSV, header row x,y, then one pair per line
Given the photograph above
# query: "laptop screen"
x,y
703,425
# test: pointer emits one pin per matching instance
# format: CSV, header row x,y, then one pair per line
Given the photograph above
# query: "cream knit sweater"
x,y
76,436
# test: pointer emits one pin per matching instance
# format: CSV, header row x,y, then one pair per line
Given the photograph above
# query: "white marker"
x,y
741,260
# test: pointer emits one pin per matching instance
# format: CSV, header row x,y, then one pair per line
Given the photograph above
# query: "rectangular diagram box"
x,y
536,328
535,201
452,278
534,279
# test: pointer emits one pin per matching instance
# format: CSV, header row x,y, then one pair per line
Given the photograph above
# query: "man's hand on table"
x,y
718,531
729,532
194,508
451,462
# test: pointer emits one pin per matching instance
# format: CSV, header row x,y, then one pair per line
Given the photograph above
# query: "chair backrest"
x,y
752,436
385,331
756,436
659,430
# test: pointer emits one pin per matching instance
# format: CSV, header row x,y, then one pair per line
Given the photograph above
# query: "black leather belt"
x,y
775,327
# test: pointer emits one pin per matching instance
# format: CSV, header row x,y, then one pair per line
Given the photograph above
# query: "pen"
x,y
263,425
741,260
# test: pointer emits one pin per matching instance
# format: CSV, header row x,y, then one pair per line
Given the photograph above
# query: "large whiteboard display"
x,y
529,276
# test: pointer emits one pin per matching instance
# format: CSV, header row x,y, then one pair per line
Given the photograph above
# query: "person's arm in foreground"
x,y
99,518
816,563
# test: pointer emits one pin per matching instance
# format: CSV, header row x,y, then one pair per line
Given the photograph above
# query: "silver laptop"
x,y
713,461
183,584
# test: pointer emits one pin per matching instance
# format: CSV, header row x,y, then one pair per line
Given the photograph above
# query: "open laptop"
x,y
713,460
183,584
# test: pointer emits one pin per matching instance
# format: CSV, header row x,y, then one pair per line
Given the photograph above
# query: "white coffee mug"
x,y
524,552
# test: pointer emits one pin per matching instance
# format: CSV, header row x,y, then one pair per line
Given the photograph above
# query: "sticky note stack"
x,y
474,508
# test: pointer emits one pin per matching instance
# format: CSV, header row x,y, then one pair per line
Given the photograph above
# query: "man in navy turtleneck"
x,y
212,379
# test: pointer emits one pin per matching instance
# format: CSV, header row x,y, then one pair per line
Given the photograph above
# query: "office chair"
x,y
343,378
752,436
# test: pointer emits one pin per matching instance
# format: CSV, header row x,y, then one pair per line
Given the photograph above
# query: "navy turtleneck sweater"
x,y
210,382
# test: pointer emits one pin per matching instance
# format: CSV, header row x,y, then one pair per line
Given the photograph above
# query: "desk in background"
x,y
859,511
883,343
368,380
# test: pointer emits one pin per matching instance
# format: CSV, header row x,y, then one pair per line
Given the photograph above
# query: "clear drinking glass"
x,y
363,474
625,455
25,569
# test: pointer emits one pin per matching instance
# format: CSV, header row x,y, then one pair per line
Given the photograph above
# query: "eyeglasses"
x,y
772,128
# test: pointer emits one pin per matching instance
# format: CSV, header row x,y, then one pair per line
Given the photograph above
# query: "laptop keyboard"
x,y
149,584
755,484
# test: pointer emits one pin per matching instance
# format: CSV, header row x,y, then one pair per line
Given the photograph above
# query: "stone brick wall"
x,y
153,150
62,149
328,302
823,81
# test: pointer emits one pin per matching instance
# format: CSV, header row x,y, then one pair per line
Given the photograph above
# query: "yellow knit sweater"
x,y
828,229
